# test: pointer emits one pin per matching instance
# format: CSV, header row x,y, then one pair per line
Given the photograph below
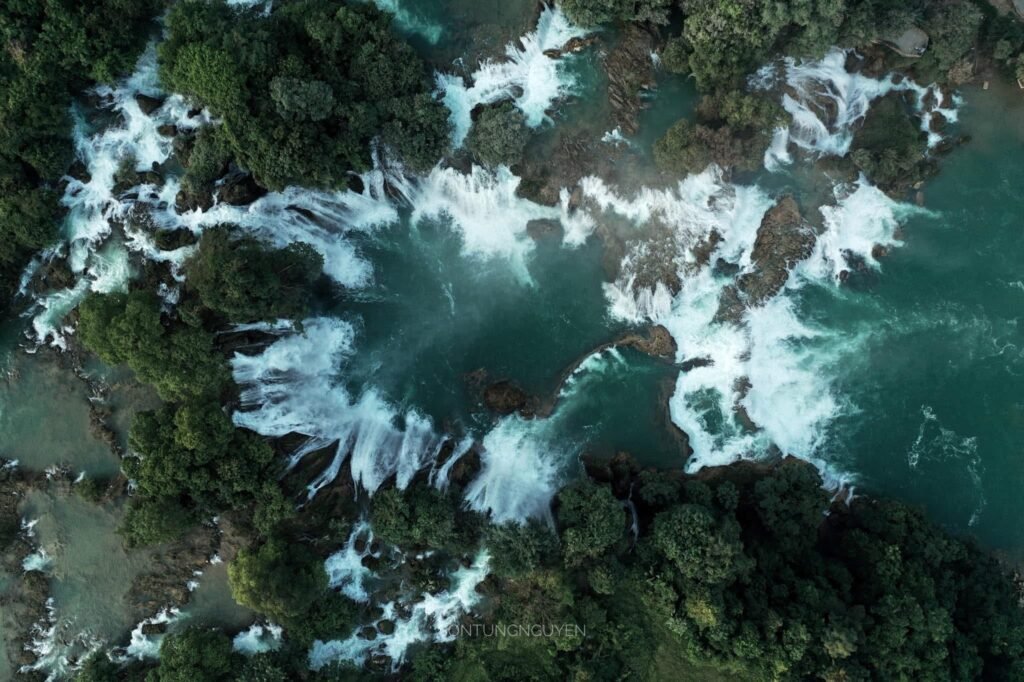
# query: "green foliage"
x,y
247,282
153,520
177,359
952,30
196,655
516,550
594,12
889,148
193,452
91,489
422,517
499,135
98,668
591,522
281,580
745,577
51,49
680,150
207,160
733,130
303,91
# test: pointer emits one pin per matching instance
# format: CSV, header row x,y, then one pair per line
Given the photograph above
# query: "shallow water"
x,y
44,415
90,572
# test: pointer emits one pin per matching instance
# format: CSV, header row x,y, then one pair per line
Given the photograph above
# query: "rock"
x,y
79,171
151,177
167,129
658,343
55,274
630,70
240,190
702,250
190,201
369,632
148,104
553,53
504,398
695,363
578,44
724,267
150,629
386,627
356,184
169,240
466,469
182,147
783,240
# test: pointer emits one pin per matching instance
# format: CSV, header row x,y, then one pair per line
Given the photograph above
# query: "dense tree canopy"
x,y
51,50
194,452
499,135
245,281
303,91
176,358
196,655
744,576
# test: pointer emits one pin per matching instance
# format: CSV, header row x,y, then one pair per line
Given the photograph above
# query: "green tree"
x,y
177,359
591,521
281,580
194,452
154,520
499,135
196,655
303,91
245,282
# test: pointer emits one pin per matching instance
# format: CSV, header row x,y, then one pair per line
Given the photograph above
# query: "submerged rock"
x,y
504,397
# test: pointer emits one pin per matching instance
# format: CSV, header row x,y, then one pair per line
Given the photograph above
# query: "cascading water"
x,y
830,101
529,77
432,618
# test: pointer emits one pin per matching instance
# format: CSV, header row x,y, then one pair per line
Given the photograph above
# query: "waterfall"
x,y
830,101
435,617
528,76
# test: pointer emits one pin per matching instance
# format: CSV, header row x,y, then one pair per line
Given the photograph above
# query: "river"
x,y
905,379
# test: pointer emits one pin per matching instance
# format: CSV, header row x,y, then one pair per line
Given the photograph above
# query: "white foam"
x,y
521,470
829,130
258,639
143,646
483,207
862,217
773,365
411,22
528,77
433,618
296,386
345,569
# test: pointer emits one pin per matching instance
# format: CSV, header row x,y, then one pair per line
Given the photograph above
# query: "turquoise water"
x,y
924,357
940,381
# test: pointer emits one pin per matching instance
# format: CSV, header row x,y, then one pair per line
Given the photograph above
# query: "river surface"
x,y
905,379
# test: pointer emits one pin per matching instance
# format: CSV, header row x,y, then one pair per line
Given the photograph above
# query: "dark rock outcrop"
x,y
783,240
148,104
630,71
239,190
504,398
